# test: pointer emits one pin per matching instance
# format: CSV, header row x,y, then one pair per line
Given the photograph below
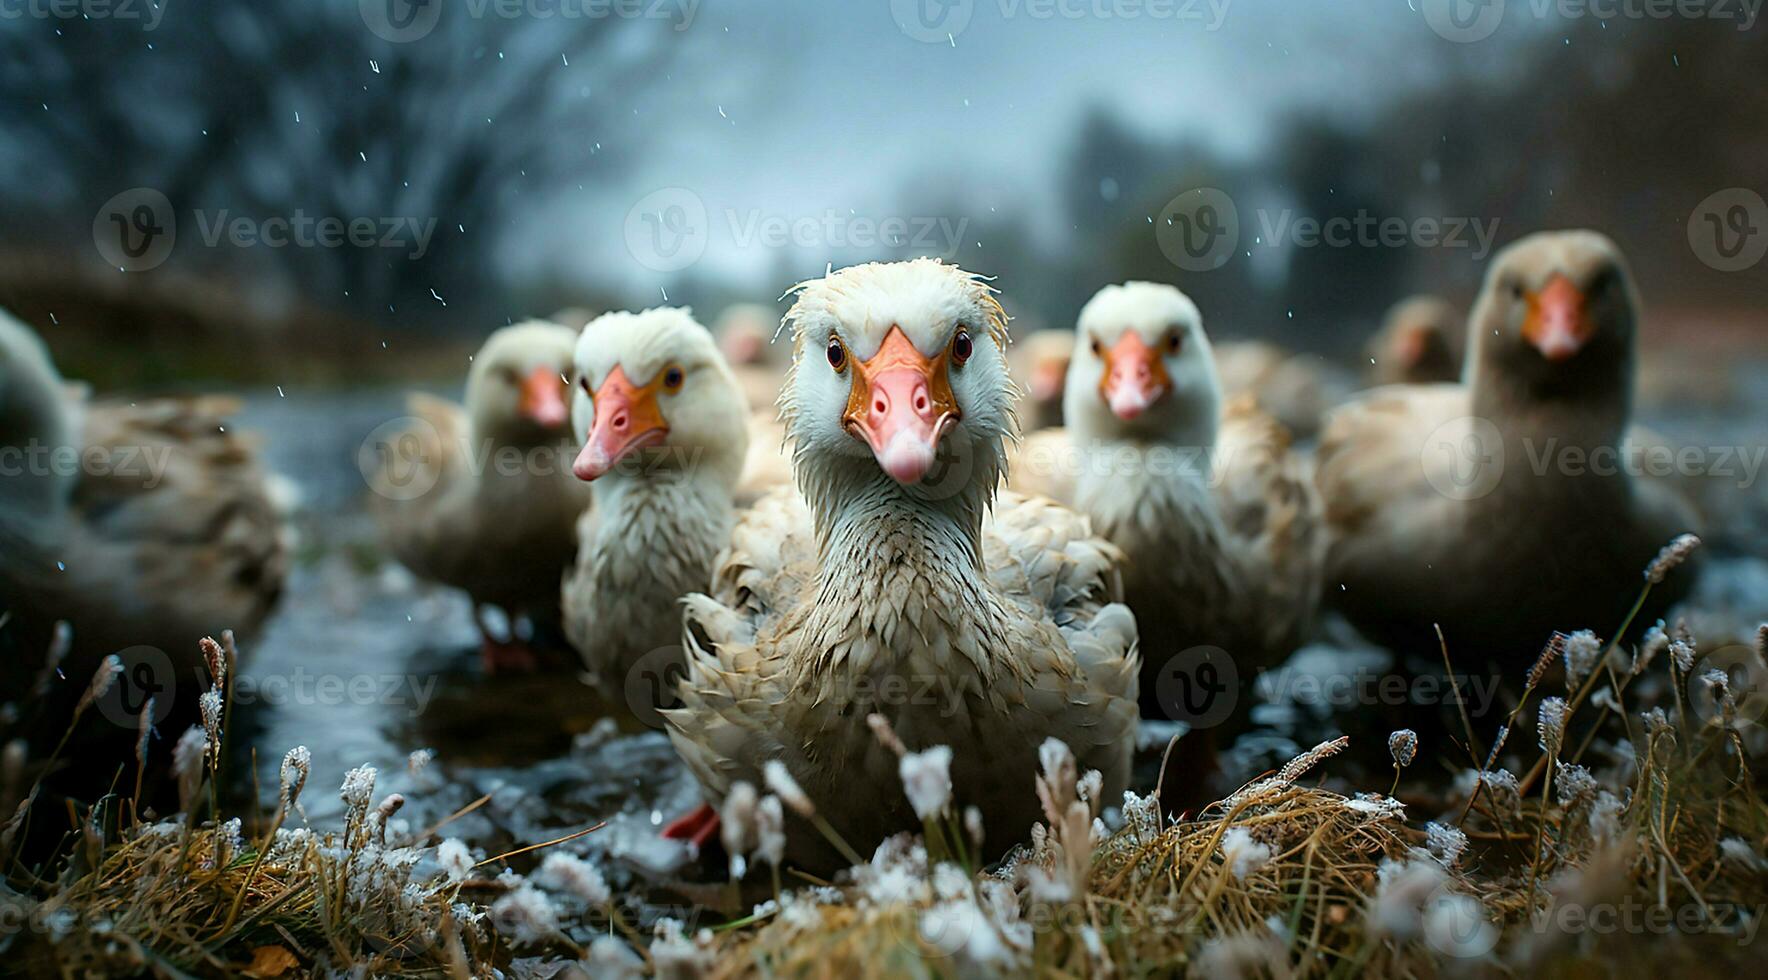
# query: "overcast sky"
x,y
792,107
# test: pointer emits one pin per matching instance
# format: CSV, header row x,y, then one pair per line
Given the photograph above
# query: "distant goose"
x,y
502,531
1453,503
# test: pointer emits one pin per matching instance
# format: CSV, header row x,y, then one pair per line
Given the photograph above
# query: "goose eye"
x,y
673,378
583,382
837,354
1098,348
962,347
1174,341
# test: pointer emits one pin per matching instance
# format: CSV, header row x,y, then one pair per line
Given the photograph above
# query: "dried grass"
x,y
1281,878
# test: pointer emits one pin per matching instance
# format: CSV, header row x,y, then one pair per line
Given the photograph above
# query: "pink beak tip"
x,y
589,465
906,458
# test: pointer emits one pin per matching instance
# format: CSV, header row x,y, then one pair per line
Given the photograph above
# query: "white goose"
x,y
667,436
1218,521
885,589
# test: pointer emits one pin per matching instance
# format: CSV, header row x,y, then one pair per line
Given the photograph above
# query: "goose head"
x,y
1142,369
899,387
1417,341
745,333
1556,318
1042,360
517,386
655,394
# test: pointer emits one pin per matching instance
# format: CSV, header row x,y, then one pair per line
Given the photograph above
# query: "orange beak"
x,y
543,398
901,404
1411,345
1048,377
1135,377
1557,323
627,419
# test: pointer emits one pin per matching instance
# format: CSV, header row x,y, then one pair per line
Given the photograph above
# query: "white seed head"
x,y
456,860
1242,853
927,780
770,830
358,787
779,779
1550,725
1403,746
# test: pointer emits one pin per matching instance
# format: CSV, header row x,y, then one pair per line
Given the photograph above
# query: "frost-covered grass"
x,y
1614,825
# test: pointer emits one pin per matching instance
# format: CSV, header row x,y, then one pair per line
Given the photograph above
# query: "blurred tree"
x,y
265,110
